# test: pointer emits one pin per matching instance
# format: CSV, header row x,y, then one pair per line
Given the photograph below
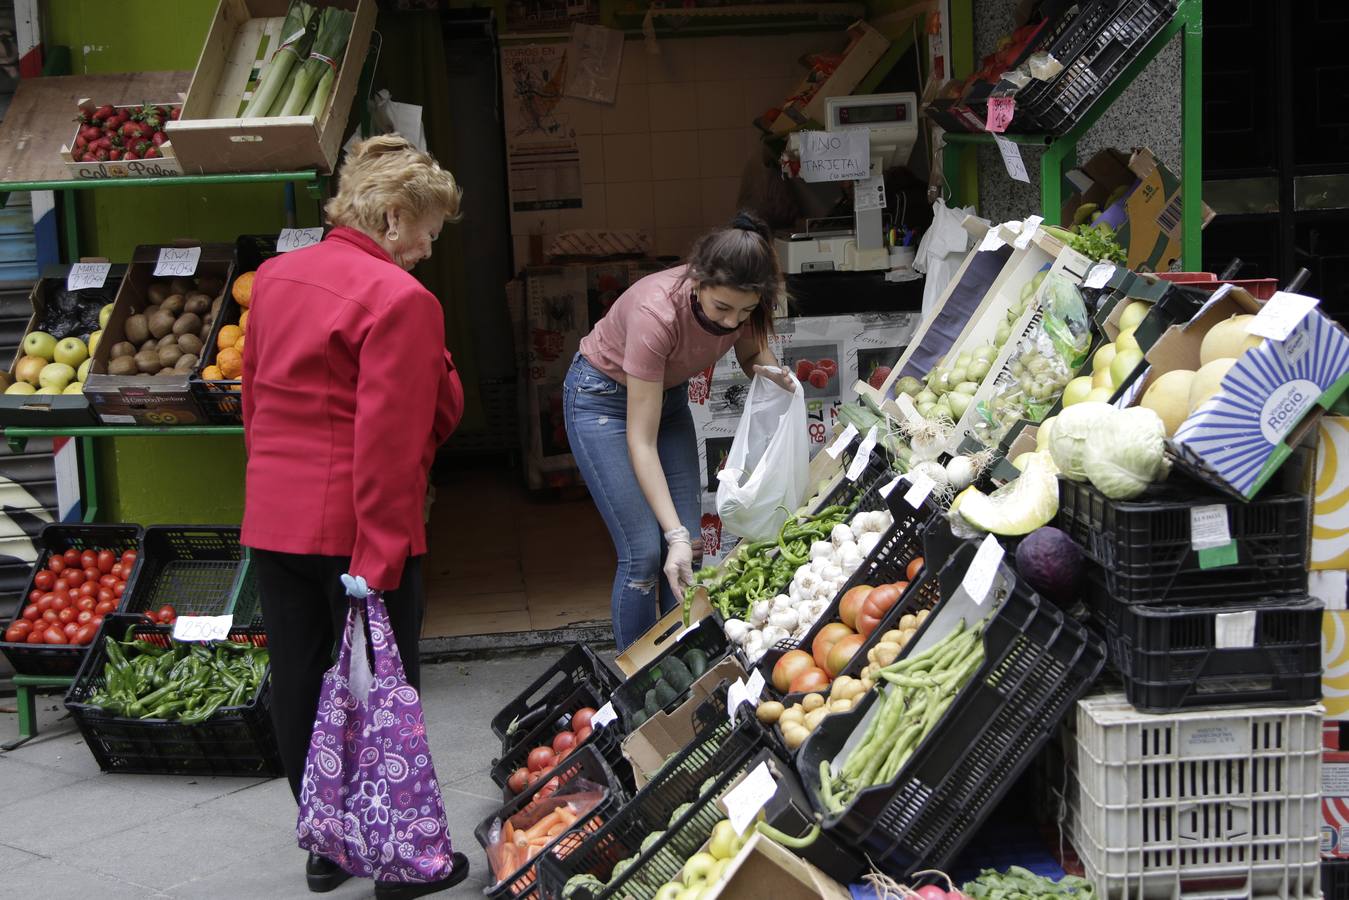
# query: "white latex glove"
x,y
779,376
356,587
679,560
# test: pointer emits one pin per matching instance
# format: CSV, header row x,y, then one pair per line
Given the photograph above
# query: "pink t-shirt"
x,y
650,333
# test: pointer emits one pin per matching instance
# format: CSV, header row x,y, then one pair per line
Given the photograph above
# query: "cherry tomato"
x,y
105,607
67,615
106,560
61,602
74,577
108,581
91,573
118,589
118,570
37,636
44,580
86,633
86,603
49,616
31,613
19,631
56,565
35,595
88,559
70,629
72,557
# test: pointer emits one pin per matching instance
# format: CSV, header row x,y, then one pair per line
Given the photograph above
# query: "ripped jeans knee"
x,y
644,585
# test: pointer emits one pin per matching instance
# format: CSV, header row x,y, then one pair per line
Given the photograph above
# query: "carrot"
x,y
556,829
541,827
508,833
566,815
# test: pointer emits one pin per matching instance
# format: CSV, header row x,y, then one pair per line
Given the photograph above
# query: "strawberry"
x,y
130,130
142,148
828,366
152,116
818,379
152,153
803,369
115,155
101,155
174,113
91,133
878,376
159,138
104,112
130,155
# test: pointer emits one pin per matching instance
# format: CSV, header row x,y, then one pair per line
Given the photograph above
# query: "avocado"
x,y
696,660
1052,563
677,675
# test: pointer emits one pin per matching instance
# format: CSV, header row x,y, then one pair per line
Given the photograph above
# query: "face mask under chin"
x,y
707,324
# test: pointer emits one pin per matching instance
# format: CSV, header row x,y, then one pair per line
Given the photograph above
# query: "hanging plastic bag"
x,y
941,250
767,469
370,801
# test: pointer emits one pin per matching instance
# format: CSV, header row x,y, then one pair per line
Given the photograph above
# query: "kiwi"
x,y
147,361
168,340
187,323
174,303
186,363
197,304
151,344
190,344
137,329
123,365
161,323
169,356
183,285
158,291
123,348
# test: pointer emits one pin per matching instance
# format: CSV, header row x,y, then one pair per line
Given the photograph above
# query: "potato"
x,y
123,365
812,702
922,615
199,304
795,715
907,635
813,719
137,329
186,363
840,686
908,621
769,711
123,348
183,285
147,362
892,636
190,343
169,356
157,291
868,683
174,303
187,323
150,344
887,653
794,736
842,705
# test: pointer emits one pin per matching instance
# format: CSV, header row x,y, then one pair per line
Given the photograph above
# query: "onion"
x,y
960,472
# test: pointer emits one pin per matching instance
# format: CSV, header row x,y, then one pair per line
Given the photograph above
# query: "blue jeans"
x,y
595,408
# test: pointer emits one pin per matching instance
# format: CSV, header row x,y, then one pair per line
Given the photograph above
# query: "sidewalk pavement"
x,y
71,832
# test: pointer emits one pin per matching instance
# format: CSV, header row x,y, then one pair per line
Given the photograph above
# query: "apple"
x,y
29,368
82,373
104,315
697,868
1126,341
20,387
1123,365
71,351
46,390
1100,395
1134,313
56,376
93,342
40,343
75,387
1076,390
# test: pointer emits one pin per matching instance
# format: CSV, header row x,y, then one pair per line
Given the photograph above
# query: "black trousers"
x,y
304,608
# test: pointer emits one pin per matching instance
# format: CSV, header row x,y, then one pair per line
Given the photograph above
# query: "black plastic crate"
x,y
1169,658
237,740
65,659
1037,664
192,568
630,697
719,751
1143,546
578,666
607,740
221,399
1335,879
585,764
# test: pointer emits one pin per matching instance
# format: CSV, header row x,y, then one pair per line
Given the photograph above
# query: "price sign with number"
x,y
1011,159
297,239
202,628
177,262
86,276
1000,113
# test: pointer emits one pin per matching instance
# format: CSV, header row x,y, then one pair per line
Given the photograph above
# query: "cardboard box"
x,y
1146,218
654,740
1268,403
211,137
667,631
806,106
1330,514
1334,792
165,164
51,410
763,869
152,400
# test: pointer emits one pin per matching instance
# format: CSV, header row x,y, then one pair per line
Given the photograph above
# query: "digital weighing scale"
x,y
829,245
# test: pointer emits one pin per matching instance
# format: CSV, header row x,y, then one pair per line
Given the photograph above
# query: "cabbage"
x,y
1073,429
1126,453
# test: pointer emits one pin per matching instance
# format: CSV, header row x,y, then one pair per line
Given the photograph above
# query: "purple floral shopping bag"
x,y
370,801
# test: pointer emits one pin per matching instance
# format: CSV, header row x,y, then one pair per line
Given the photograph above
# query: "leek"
x,y
321,93
331,42
283,94
298,30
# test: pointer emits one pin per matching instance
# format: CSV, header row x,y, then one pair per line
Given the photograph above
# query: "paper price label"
x,y
84,276
1208,527
297,239
736,697
1011,158
1000,113
869,193
1280,315
911,414
842,441
1028,229
859,462
603,716
744,801
991,241
754,687
177,262
919,490
1234,631
978,580
889,487
1098,276
202,628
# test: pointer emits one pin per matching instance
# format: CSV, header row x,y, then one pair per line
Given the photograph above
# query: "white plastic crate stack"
x,y
1206,803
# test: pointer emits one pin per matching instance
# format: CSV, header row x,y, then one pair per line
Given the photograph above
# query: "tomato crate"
x,y
607,740
578,666
236,740
675,802
65,659
1218,803
633,699
584,766
1036,664
1221,653
1145,550
192,568
1335,879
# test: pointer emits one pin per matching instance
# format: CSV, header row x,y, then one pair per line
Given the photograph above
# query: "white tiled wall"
x,y
667,156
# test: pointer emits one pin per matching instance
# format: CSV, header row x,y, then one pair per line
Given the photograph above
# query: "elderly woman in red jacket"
x,y
347,392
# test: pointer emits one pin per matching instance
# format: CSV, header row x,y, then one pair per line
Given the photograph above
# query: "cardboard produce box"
x,y
806,106
668,629
763,869
211,137
145,399
54,410
652,743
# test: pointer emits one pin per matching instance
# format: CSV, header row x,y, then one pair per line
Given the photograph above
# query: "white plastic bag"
x,y
941,250
767,471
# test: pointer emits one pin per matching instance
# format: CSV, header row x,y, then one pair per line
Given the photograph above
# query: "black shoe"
x,y
387,890
323,874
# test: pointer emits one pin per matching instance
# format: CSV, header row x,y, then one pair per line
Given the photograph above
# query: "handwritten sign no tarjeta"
x,y
835,155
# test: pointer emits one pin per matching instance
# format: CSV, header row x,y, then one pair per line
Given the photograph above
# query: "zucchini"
x,y
696,661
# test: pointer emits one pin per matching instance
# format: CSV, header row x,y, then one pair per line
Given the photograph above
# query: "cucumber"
x,y
677,675
696,661
665,695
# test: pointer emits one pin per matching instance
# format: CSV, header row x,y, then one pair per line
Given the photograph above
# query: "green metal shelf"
x,y
18,437
312,179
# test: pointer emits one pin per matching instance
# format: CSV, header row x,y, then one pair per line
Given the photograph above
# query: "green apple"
x,y
1102,378
75,387
29,368
693,891
40,343
1103,358
1123,365
104,315
698,868
56,376
719,871
670,891
82,373
93,341
1042,434
1134,313
725,843
1100,395
1076,390
20,387
71,351
1126,341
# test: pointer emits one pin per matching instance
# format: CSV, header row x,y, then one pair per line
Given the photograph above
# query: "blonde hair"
x,y
386,172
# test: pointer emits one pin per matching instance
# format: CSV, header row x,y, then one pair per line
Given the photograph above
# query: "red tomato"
x,y
31,613
105,596
128,557
88,560
108,581
35,595
581,718
56,565
69,629
84,615
86,633
167,613
118,589
44,580
55,635
540,759
914,568
518,781
45,602
117,570
96,621
563,741
88,589
49,616
582,733
61,602
149,614
73,577
19,631
67,615
106,560
104,607
85,604
72,557
91,573
37,635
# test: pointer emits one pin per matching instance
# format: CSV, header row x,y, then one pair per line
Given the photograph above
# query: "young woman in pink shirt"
x,y
625,400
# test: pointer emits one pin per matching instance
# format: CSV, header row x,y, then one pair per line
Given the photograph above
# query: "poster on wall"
x,y
542,156
548,15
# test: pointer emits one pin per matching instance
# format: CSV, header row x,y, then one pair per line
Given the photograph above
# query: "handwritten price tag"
x,y
177,262
1280,315
755,685
1000,113
297,239
1011,158
603,716
859,462
202,628
744,801
920,489
84,276
1028,229
1208,527
842,442
736,696
889,487
983,568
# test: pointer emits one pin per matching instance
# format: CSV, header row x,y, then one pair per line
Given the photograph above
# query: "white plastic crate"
x,y
1205,803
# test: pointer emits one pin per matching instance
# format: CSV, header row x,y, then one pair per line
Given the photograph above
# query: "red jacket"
x,y
348,391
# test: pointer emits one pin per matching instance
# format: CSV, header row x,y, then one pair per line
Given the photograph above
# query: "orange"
x,y
239,344
231,362
212,373
229,336
243,289
243,322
